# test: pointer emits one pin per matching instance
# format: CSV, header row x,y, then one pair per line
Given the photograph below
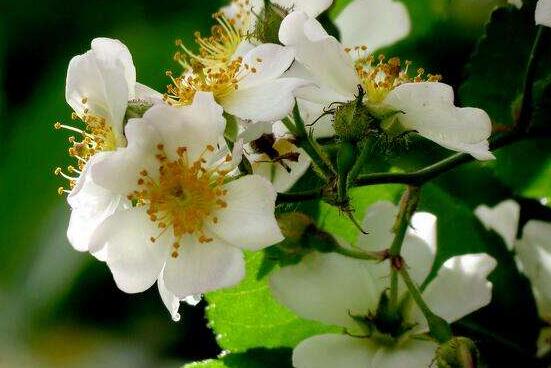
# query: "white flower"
x,y
533,254
270,149
332,288
244,13
189,221
543,13
420,104
99,85
246,80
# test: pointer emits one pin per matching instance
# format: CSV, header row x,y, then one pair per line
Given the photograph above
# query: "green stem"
x,y
439,328
359,254
305,142
408,205
360,162
299,196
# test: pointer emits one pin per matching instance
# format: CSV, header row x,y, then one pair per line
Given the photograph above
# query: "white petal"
x,y
260,103
419,246
311,7
411,354
194,126
146,93
311,113
503,219
90,205
534,255
171,302
274,61
332,351
328,288
248,221
460,288
428,108
255,131
105,77
200,268
543,13
516,3
133,259
276,173
378,221
119,170
374,23
108,50
321,54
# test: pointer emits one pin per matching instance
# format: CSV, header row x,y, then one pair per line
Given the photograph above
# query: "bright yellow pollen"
x,y
184,197
379,77
95,136
213,68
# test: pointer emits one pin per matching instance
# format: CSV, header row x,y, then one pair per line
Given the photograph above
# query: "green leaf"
x,y
254,358
333,221
248,316
496,70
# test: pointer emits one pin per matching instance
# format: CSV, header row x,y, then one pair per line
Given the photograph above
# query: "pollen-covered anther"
x,y
214,68
379,75
183,195
94,136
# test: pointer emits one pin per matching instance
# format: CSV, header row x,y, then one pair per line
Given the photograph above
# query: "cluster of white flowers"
x,y
532,248
161,194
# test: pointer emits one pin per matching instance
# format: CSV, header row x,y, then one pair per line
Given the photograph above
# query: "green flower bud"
x,y
136,109
268,22
353,121
459,352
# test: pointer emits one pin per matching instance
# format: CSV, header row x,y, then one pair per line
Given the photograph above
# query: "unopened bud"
x,y
136,109
459,352
353,121
268,23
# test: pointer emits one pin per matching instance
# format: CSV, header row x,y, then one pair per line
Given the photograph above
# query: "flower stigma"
x,y
96,136
184,196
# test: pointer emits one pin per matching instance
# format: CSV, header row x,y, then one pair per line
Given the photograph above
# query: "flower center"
x,y
213,68
184,197
96,136
379,77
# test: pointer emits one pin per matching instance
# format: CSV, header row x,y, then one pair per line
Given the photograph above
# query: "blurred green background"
x,y
61,308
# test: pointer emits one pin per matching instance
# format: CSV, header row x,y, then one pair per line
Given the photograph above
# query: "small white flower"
x,y
533,254
99,85
543,13
332,288
244,13
421,104
189,221
242,77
